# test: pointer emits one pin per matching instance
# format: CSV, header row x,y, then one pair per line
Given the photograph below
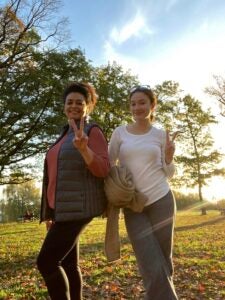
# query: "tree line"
x,y
34,69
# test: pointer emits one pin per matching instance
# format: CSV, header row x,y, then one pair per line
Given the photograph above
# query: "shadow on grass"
x,y
194,226
20,277
15,265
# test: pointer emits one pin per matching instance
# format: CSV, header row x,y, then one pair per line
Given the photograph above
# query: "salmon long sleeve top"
x,y
99,166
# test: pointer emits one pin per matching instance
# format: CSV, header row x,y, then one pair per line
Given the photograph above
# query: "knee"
x,y
70,267
171,268
45,264
154,271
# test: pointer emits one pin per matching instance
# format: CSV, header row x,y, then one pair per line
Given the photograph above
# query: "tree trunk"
x,y
203,209
204,212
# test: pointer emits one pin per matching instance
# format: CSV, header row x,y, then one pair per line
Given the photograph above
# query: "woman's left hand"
x,y
170,146
80,140
49,224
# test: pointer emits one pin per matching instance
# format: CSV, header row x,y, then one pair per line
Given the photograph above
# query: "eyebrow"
x,y
71,99
141,99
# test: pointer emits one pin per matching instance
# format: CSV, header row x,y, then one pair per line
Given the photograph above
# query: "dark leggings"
x,y
58,260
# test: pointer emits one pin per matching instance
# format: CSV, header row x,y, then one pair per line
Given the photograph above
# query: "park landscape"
x,y
34,70
199,260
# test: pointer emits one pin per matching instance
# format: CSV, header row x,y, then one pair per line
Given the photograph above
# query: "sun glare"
x,y
215,190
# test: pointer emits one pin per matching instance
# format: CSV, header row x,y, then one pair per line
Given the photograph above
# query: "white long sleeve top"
x,y
144,156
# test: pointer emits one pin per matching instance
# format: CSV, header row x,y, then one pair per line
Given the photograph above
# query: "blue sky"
x,y
181,40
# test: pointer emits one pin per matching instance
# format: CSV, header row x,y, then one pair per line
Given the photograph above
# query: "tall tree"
x,y
113,85
218,92
32,108
20,198
167,93
199,160
21,23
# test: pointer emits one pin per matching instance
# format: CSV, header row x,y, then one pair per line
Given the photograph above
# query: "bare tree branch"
x,y
16,34
218,92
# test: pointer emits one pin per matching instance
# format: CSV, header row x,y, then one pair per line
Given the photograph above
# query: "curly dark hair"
x,y
86,89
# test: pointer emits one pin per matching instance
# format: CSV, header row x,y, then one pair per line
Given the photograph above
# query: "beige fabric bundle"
x,y
120,192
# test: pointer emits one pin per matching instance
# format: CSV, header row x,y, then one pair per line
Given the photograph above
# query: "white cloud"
x,y
134,28
128,62
190,61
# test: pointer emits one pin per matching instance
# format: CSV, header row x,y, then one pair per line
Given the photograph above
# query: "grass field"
x,y
199,259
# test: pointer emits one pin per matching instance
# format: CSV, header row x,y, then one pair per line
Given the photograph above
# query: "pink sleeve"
x,y
98,144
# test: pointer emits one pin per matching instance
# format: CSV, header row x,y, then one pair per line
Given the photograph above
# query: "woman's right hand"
x,y
80,140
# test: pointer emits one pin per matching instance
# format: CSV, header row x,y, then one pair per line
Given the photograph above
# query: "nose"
x,y
137,107
73,104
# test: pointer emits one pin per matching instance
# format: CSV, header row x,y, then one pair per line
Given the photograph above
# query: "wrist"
x,y
87,155
83,151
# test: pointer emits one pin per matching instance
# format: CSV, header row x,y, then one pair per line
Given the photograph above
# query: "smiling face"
x,y
75,106
140,106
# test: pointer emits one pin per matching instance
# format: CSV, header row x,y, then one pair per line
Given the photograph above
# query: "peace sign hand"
x,y
80,140
170,146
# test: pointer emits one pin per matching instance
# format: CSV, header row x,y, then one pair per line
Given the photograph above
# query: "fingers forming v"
x,y
82,125
175,134
79,133
73,125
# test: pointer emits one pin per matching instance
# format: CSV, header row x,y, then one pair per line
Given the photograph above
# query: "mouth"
x,y
138,114
74,112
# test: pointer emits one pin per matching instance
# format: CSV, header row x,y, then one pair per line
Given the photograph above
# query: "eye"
x,y
80,103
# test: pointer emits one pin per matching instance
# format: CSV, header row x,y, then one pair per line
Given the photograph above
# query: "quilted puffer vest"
x,y
79,194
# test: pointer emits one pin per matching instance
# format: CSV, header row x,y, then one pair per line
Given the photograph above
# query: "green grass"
x,y
199,260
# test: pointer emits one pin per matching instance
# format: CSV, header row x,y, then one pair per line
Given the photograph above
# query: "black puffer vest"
x,y
79,194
